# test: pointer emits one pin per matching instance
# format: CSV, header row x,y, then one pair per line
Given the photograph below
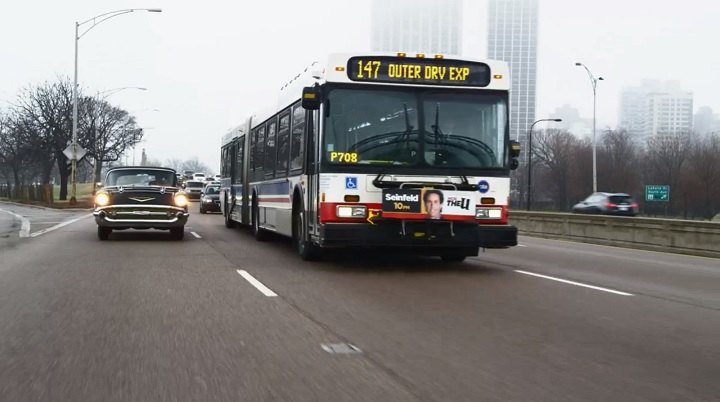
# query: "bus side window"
x,y
270,148
259,153
283,145
296,140
238,168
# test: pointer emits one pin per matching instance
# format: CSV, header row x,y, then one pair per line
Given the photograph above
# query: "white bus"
x,y
379,150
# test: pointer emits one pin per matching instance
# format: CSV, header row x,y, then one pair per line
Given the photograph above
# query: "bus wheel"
x,y
259,233
229,223
305,248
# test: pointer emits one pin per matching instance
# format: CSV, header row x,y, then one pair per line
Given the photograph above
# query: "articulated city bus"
x,y
379,150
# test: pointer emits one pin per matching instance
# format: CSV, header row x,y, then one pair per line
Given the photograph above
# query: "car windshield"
x,y
212,190
419,127
140,177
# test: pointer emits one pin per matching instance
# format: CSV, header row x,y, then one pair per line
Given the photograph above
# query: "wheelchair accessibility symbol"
x,y
351,182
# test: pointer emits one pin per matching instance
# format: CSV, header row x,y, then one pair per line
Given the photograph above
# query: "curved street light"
x,y
94,21
529,178
593,82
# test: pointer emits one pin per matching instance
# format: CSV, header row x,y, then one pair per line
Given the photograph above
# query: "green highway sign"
x,y
657,193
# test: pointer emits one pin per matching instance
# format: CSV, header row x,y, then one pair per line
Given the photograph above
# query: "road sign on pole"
x,y
79,152
654,192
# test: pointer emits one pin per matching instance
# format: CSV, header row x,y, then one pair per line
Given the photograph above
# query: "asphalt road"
x,y
142,317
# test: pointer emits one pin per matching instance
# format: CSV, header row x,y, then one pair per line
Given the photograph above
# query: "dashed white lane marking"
x,y
24,226
521,245
58,226
575,283
197,236
262,288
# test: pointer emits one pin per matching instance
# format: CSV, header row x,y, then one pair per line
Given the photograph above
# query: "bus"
x,y
378,150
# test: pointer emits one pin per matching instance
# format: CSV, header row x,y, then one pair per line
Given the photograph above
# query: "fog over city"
x,y
208,65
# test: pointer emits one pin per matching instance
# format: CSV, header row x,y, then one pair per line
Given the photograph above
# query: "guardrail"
x,y
667,235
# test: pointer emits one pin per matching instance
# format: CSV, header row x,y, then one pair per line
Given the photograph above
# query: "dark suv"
x,y
141,198
607,204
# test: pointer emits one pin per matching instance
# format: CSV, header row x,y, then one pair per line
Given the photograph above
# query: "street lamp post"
x,y
529,173
95,21
593,82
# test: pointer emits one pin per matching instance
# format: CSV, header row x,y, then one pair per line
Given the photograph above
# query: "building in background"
x,y
427,26
706,122
512,37
656,108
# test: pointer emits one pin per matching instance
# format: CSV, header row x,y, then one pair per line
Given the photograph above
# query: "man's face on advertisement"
x,y
433,205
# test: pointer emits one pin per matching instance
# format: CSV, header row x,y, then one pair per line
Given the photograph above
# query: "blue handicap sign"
x,y
483,186
351,182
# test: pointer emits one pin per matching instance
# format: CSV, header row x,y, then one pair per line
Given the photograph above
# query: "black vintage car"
x,y
141,197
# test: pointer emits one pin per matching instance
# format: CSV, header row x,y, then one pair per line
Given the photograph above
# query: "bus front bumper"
x,y
423,235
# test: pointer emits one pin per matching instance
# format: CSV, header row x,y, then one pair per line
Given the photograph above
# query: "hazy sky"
x,y
209,64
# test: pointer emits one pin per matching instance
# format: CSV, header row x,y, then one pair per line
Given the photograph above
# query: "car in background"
x,y
607,204
194,188
188,174
210,199
198,176
140,198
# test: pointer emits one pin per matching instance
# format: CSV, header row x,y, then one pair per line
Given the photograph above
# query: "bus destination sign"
x,y
403,70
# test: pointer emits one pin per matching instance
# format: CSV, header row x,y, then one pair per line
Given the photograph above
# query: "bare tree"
x,y
667,155
47,116
555,151
704,174
618,163
107,132
196,166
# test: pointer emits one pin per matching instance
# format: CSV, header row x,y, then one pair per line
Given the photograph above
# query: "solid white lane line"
x,y
575,283
58,226
24,226
262,288
197,236
521,245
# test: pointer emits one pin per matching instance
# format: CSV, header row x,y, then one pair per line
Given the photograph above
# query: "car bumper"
x,y
147,217
429,236
210,206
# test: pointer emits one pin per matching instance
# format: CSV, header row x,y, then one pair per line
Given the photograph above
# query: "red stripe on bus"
x,y
328,213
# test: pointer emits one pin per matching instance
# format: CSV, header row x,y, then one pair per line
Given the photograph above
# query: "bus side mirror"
x,y
311,98
514,154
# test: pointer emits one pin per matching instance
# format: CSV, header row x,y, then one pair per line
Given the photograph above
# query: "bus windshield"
x,y
426,127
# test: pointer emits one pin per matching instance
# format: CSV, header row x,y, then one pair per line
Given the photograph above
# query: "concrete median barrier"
x,y
670,235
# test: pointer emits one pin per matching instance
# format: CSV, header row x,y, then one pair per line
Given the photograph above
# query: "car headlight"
x,y
351,211
206,199
488,213
181,200
102,199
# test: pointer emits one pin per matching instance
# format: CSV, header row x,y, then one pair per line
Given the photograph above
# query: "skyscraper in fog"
x,y
428,26
512,37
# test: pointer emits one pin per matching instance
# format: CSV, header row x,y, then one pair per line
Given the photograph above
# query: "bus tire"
x,y
229,223
259,233
304,247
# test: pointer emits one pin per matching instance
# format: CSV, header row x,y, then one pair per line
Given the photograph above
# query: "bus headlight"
x,y
102,199
488,213
351,211
181,200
